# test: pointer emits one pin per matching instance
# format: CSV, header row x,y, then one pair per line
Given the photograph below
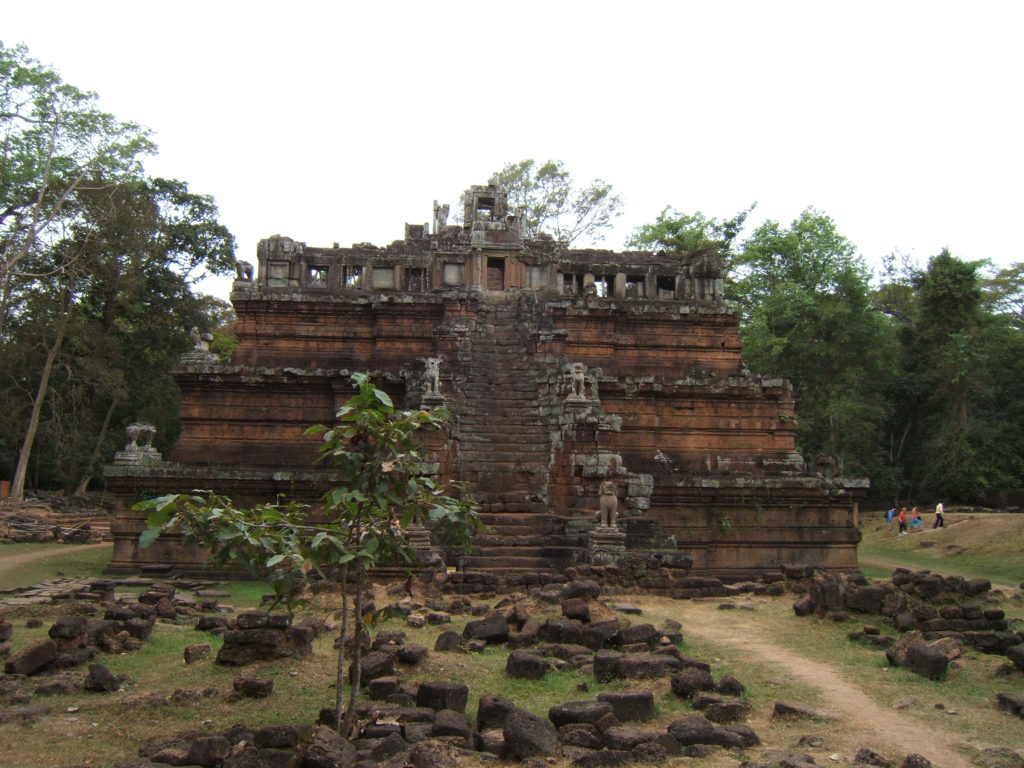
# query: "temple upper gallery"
x,y
575,379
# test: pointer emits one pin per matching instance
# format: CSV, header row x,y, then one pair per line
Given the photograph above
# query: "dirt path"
x,y
11,562
845,699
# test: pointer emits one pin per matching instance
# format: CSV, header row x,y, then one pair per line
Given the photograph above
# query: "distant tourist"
x,y
889,515
902,518
940,516
915,518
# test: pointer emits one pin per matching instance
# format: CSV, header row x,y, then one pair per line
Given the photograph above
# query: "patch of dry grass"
x,y
988,545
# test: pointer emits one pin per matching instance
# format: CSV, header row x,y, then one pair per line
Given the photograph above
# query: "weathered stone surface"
x,y
916,761
631,705
208,751
32,657
450,641
576,608
100,679
927,661
373,665
640,633
581,735
196,652
690,680
692,729
433,754
493,629
442,695
527,735
788,709
1015,654
870,757
492,711
1012,703
728,711
730,686
412,653
508,331
251,687
281,736
326,749
578,712
448,722
643,666
380,688
999,757
628,736
526,666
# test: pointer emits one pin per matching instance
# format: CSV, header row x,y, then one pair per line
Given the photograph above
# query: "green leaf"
x,y
148,536
383,397
275,560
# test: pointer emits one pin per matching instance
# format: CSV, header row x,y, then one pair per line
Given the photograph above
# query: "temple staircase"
x,y
505,446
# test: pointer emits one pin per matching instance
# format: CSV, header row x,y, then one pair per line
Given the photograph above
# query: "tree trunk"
x,y
83,484
357,657
20,472
339,683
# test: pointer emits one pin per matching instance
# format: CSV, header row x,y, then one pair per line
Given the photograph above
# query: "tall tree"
x,y
96,264
688,232
125,309
54,141
945,361
807,315
550,202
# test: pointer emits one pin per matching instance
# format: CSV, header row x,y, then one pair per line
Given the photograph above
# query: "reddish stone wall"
x,y
703,453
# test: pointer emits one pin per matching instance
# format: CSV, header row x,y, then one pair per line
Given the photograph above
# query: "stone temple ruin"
x,y
600,403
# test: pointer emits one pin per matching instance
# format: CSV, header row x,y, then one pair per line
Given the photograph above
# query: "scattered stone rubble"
x,y
932,623
55,518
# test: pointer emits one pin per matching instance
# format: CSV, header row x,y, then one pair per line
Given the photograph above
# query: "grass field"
x,y
989,545
60,560
166,696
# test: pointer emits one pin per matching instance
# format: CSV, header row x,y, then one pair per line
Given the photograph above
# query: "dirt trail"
x,y
10,562
845,699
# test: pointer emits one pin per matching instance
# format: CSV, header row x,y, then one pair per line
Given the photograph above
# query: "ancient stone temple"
x,y
600,402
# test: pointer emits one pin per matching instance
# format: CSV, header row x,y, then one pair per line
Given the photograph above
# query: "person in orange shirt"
x,y
902,518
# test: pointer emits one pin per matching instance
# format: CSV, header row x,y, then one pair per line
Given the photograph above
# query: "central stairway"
x,y
505,446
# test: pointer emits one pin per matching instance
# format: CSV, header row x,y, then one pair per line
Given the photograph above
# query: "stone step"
x,y
492,563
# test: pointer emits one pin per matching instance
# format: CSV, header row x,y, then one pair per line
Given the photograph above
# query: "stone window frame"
x,y
352,276
454,265
379,271
317,276
636,286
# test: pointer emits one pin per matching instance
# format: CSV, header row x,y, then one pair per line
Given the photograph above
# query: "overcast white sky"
x,y
335,121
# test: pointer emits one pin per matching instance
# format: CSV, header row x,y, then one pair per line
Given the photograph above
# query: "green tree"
x,y
807,315
383,493
550,202
688,233
95,261
54,142
110,303
945,362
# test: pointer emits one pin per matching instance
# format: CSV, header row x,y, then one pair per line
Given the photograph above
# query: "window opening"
x,y
666,287
316,277
635,288
495,274
352,276
415,279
